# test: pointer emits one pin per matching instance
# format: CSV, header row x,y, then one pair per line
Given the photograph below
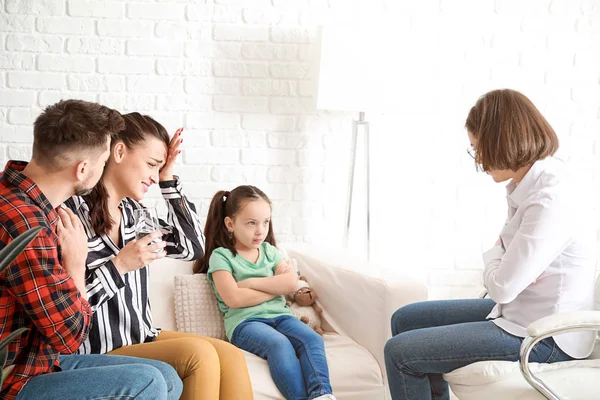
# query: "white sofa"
x,y
358,300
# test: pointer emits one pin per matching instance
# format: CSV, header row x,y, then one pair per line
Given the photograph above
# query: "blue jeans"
x,y
434,337
98,376
295,354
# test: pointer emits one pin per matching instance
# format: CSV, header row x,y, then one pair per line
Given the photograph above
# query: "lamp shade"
x,y
370,63
344,82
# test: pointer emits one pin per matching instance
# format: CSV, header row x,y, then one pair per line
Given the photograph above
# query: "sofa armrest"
x,y
564,321
160,290
358,298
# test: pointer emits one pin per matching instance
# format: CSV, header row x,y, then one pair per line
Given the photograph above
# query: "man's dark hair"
x,y
70,128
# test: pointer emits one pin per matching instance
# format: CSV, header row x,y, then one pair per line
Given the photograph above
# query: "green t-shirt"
x,y
222,259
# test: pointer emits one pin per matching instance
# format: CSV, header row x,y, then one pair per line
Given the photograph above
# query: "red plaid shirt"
x,y
35,291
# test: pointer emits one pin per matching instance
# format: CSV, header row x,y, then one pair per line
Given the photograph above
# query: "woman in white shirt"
x,y
542,264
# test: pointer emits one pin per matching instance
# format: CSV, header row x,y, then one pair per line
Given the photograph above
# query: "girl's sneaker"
x,y
325,397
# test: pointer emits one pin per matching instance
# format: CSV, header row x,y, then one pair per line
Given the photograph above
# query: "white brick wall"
x,y
238,75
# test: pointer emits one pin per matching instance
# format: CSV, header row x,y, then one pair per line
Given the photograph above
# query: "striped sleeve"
x,y
181,230
103,281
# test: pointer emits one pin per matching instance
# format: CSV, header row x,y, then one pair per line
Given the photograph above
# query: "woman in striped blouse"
x,y
117,273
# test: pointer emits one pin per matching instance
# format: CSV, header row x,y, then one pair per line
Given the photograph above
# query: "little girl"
x,y
250,278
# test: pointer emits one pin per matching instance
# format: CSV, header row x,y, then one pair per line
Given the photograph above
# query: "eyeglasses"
x,y
472,153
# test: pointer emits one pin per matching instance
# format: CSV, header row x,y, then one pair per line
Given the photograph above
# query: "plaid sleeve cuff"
x,y
86,308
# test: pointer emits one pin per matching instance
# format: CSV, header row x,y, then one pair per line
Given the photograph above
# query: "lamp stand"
x,y
360,125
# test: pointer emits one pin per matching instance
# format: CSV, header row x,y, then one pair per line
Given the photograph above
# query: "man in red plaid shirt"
x,y
44,288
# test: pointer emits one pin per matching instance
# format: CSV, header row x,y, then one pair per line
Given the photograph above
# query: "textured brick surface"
x,y
239,75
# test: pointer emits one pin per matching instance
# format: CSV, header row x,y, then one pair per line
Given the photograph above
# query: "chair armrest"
x,y
358,298
550,326
556,323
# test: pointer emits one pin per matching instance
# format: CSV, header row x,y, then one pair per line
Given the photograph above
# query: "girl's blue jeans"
x,y
295,354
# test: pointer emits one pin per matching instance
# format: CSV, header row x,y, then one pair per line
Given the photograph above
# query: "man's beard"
x,y
82,189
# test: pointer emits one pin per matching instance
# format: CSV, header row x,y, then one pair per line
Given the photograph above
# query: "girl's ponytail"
x,y
215,230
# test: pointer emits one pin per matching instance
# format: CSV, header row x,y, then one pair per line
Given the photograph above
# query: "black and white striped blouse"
x,y
120,303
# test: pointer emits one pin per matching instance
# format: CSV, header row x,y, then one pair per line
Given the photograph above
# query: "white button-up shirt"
x,y
545,264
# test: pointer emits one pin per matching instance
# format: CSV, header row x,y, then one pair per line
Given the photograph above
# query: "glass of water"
x,y
146,222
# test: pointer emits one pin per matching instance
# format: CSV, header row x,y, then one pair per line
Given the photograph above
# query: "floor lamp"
x,y
359,126
344,84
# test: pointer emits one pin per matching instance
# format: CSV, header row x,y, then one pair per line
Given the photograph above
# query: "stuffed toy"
x,y
303,304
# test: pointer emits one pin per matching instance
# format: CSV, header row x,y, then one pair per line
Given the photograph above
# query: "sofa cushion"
x,y
196,307
354,372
